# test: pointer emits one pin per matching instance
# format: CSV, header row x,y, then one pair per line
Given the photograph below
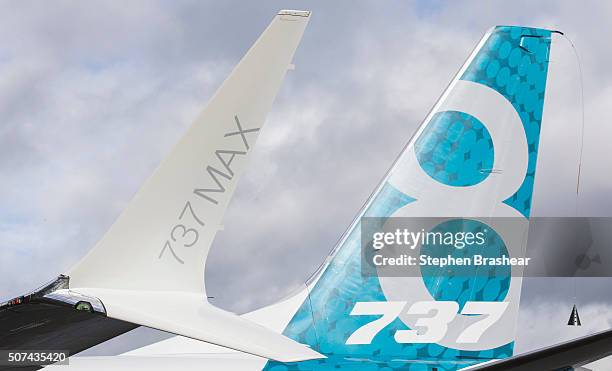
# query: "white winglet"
x,y
192,316
149,267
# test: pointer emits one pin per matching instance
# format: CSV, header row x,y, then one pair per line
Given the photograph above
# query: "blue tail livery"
x,y
474,156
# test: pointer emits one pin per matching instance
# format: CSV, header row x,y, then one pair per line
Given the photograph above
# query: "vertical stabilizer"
x,y
472,161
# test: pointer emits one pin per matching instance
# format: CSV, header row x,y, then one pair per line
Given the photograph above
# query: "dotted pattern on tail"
x,y
514,62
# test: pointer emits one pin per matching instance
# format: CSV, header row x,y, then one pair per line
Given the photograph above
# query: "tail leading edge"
x,y
474,156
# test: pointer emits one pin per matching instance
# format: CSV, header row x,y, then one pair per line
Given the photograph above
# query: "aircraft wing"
x,y
569,355
42,321
148,269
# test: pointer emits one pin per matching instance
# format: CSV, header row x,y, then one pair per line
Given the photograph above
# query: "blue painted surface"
x,y
453,150
463,283
520,76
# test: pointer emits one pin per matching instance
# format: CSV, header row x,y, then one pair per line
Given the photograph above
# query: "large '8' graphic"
x,y
485,321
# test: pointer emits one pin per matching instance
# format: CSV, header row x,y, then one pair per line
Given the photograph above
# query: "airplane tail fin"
x,y
149,267
472,162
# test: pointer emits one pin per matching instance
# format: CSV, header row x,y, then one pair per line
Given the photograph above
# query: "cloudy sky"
x,y
93,94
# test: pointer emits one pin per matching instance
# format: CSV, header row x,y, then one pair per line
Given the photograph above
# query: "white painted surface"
x,y
149,267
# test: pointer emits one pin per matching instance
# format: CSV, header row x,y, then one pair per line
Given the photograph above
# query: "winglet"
x,y
149,267
192,316
296,13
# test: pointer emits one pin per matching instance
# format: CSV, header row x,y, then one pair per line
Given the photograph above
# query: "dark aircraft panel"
x,y
33,322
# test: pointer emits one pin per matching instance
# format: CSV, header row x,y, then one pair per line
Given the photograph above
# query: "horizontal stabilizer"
x,y
570,355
